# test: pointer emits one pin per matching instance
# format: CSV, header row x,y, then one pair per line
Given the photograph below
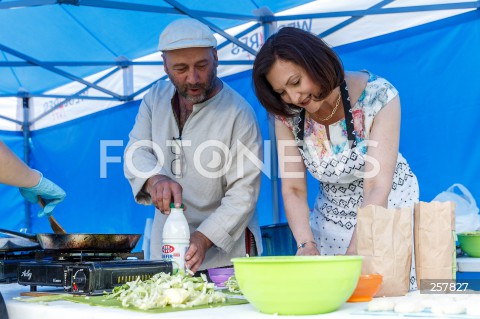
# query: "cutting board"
x,y
113,303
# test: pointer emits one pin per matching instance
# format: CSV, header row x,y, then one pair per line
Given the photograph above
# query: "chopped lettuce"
x,y
232,285
164,289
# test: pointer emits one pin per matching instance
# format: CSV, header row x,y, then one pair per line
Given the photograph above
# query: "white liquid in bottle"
x,y
176,237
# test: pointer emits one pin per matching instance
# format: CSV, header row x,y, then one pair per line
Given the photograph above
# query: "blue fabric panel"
x,y
69,155
11,202
86,33
242,83
435,67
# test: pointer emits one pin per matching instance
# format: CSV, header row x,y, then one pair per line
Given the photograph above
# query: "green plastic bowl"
x,y
297,285
470,243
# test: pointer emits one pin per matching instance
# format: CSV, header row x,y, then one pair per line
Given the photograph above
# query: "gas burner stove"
x,y
96,277
80,256
9,261
89,273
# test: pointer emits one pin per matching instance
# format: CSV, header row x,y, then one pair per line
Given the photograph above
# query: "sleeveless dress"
x,y
338,164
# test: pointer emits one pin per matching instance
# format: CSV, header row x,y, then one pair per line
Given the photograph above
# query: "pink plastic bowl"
x,y
220,275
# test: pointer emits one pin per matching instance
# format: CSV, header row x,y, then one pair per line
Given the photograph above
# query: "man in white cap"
x,y
201,130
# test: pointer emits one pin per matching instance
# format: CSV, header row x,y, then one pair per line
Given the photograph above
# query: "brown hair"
x,y
307,51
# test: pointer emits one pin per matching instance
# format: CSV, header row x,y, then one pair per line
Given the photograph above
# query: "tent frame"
x,y
263,17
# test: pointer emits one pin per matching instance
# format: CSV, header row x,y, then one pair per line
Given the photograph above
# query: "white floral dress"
x,y
338,165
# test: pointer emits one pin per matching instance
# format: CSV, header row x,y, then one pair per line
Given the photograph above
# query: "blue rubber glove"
x,y
51,193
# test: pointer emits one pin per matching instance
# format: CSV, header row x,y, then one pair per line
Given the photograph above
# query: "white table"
x,y
468,264
69,310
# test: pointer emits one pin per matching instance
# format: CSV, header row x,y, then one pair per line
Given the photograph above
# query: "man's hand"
x,y
163,190
199,244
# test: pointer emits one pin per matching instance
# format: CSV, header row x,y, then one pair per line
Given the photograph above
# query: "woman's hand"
x,y
351,250
308,249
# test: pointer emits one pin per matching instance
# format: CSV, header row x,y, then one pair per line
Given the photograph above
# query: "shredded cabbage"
x,y
232,285
164,289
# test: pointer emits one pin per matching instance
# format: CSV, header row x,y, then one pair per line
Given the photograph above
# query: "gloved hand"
x,y
51,193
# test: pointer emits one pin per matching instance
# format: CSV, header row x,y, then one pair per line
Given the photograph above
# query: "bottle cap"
x,y
172,205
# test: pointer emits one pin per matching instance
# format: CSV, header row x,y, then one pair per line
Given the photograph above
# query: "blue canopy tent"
x,y
72,74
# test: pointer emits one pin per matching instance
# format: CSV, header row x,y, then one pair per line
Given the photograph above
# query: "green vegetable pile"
x,y
164,289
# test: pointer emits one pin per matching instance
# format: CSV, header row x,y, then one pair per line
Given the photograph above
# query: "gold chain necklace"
x,y
333,112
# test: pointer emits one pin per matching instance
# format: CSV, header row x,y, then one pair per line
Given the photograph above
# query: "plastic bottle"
x,y
176,237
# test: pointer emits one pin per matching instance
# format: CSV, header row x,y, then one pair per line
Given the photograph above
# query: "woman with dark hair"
x,y
345,126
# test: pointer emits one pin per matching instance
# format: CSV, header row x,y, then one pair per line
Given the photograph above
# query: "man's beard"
x,y
206,87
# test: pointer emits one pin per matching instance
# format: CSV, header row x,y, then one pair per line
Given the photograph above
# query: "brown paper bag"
x,y
434,228
384,237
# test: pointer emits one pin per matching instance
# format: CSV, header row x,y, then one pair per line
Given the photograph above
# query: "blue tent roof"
x,y
45,44
428,51
69,35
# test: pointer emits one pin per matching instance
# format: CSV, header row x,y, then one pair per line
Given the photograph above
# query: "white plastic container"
x,y
176,237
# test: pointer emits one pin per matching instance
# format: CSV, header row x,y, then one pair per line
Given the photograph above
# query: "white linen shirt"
x,y
219,206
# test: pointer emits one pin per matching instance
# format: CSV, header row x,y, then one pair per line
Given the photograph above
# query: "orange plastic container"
x,y
367,287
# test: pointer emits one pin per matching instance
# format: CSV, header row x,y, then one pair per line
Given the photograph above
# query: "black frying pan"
x,y
81,242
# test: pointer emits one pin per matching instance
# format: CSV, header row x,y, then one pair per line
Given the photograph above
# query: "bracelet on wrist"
x,y
304,243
